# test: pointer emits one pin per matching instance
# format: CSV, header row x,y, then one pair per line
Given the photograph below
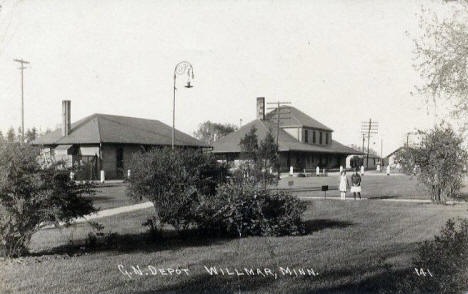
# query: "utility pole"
x,y
278,114
381,151
22,68
363,140
369,128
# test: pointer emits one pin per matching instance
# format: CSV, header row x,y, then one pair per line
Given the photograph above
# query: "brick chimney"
x,y
66,117
261,108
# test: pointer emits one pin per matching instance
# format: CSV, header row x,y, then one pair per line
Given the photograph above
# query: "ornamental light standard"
x,y
180,68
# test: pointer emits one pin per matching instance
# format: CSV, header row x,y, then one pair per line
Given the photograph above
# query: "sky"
x,y
341,62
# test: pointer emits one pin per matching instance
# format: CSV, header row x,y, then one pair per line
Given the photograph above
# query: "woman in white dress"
x,y
343,185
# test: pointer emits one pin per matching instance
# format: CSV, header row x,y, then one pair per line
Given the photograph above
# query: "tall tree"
x,y
442,56
261,156
31,135
2,139
209,132
11,136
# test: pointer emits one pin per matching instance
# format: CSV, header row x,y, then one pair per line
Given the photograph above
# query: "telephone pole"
x,y
278,113
369,128
22,68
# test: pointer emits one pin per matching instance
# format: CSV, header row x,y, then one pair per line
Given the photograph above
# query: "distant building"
x,y
391,158
304,143
106,142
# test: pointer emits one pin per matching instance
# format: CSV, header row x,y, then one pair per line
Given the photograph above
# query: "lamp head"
x,y
188,85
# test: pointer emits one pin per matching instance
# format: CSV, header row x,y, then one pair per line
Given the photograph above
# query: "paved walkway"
x,y
107,212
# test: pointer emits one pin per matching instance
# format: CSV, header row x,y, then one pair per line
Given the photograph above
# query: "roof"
x,y
104,128
293,117
286,142
397,150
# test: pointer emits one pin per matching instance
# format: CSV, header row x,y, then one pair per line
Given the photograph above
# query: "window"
x,y
321,141
327,139
119,159
306,136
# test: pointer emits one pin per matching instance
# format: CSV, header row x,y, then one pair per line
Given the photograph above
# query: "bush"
x,y
189,191
441,264
173,180
437,161
241,209
31,195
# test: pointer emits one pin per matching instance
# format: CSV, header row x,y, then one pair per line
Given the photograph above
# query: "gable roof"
x,y
286,142
104,128
396,151
295,118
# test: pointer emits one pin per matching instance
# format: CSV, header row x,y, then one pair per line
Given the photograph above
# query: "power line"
x,y
371,128
278,118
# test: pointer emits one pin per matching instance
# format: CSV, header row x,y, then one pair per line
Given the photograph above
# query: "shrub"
x,y
173,181
441,265
242,209
437,162
31,195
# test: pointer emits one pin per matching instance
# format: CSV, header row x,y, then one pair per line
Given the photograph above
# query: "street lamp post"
x,y
180,68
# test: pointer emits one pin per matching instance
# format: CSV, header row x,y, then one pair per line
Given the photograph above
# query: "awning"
x,y
89,151
63,149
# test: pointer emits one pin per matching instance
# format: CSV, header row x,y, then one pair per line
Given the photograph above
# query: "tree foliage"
x,y
438,162
242,209
441,265
259,157
11,136
442,55
30,135
209,132
173,181
31,194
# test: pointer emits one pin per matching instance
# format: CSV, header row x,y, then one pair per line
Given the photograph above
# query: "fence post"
x,y
103,178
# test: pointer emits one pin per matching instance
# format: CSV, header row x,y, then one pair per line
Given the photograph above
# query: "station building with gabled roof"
x,y
107,142
303,142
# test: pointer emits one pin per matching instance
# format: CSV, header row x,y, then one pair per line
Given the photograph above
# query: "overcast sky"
x,y
341,62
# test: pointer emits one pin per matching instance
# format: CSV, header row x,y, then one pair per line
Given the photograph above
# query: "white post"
x,y
291,170
324,171
103,178
341,168
317,171
388,170
128,174
362,170
378,167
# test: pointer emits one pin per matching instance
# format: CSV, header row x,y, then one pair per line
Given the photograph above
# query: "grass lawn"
x,y
111,195
373,186
345,246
